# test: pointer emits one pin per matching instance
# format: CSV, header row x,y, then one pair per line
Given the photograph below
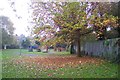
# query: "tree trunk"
x,y
67,47
118,30
71,49
78,50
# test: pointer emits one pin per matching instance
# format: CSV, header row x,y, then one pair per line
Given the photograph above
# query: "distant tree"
x,y
7,24
15,40
37,42
6,38
7,28
26,43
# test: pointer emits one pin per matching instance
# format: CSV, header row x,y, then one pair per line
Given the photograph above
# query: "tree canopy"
x,y
7,29
77,19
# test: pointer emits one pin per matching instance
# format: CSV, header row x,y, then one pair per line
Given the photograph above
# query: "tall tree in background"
x,y
7,29
26,43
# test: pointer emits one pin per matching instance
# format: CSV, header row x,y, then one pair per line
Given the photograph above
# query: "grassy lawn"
x,y
0,64
57,65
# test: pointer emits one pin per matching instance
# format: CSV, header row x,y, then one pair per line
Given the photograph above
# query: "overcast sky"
x,y
22,8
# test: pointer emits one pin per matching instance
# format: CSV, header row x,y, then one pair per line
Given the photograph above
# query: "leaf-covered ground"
x,y
53,62
57,65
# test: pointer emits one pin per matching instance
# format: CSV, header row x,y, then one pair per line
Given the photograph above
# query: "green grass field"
x,y
41,65
0,64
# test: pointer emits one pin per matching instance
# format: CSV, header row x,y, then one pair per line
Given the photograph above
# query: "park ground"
x,y
54,65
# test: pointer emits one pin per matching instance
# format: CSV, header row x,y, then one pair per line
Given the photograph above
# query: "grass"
x,y
31,70
0,64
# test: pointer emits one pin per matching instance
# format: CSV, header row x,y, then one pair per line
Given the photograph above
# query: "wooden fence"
x,y
108,49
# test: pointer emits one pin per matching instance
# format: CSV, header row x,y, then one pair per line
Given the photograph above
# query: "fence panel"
x,y
107,49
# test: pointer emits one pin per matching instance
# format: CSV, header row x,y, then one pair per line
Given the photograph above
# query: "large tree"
x,y
73,23
75,20
78,19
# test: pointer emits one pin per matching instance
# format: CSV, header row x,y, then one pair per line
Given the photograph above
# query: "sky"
x,y
22,9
